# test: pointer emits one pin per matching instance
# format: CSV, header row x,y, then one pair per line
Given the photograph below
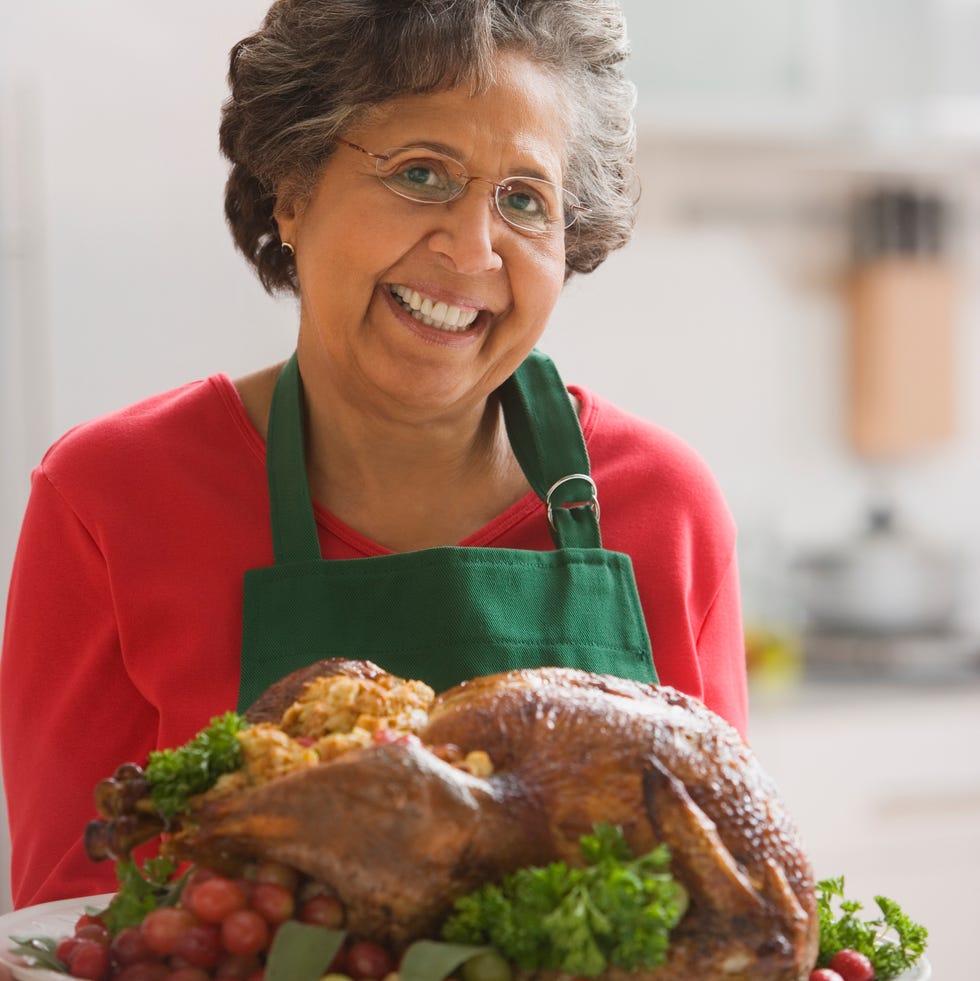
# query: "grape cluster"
x,y
222,927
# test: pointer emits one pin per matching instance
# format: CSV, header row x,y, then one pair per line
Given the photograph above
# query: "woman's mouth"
x,y
434,313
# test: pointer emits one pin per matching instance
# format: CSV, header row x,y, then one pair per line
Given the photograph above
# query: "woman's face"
x,y
358,245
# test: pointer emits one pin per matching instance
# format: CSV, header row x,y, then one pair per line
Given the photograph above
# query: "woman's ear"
x,y
285,218
287,212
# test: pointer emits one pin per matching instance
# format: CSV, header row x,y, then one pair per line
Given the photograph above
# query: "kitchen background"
x,y
801,302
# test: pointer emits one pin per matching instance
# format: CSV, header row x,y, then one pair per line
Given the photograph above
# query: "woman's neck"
x,y
400,479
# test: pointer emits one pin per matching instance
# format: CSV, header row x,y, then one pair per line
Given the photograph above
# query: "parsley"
x,y
892,943
174,775
141,891
616,910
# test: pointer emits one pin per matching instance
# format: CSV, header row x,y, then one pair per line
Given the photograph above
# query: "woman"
x,y
424,176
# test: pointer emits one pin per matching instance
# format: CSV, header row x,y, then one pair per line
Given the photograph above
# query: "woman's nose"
x,y
468,230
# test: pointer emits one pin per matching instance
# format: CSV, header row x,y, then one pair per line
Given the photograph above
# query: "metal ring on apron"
x,y
594,503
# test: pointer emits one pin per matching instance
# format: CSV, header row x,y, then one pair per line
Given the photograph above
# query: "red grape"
x,y
94,931
369,960
852,965
162,928
200,945
87,919
89,960
325,911
215,898
64,949
272,901
281,875
129,946
244,932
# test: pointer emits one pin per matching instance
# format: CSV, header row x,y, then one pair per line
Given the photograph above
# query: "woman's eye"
x,y
420,174
421,179
521,201
526,204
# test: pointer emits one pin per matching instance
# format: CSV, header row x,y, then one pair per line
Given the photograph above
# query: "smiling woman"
x,y
415,484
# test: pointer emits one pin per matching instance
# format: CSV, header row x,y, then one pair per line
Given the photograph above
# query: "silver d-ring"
x,y
594,503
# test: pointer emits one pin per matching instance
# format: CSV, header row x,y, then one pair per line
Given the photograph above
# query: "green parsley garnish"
x,y
616,910
174,775
141,891
892,942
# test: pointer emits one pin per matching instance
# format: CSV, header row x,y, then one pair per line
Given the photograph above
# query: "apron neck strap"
x,y
545,434
294,534
542,426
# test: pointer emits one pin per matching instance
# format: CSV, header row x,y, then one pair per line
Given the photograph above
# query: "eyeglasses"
x,y
428,177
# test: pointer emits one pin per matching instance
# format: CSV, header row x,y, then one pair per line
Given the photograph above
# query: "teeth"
x,y
440,315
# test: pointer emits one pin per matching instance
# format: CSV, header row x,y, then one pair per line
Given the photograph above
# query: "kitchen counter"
x,y
883,780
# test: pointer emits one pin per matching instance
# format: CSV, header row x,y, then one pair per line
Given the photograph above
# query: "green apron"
x,y
442,615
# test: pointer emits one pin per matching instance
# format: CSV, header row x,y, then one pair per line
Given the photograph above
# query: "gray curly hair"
x,y
317,67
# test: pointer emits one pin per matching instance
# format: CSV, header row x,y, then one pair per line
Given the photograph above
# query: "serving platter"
x,y
57,919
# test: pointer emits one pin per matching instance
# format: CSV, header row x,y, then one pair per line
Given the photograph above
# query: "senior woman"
x,y
415,485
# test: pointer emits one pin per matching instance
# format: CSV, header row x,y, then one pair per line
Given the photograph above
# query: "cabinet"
x,y
884,783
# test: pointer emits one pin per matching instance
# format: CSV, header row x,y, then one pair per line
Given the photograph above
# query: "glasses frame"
x,y
572,212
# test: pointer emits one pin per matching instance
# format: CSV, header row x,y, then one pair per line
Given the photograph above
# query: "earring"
x,y
287,250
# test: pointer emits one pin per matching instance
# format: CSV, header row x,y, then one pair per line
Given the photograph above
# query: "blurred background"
x,y
801,302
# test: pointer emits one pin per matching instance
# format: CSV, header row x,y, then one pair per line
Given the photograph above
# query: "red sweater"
x,y
124,616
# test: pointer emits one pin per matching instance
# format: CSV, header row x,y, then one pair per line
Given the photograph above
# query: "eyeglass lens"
x,y
526,202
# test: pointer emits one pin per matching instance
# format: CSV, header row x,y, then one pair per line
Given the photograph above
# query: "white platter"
x,y
921,972
57,920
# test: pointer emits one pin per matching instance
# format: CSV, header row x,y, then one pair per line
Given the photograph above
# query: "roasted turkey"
x,y
399,833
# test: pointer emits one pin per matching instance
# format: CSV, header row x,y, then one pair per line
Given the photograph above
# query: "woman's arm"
x,y
721,653
69,711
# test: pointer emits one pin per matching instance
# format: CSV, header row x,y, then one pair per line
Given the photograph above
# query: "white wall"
x,y
120,280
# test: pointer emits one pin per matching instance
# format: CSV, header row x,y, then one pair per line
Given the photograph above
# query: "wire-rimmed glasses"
x,y
530,204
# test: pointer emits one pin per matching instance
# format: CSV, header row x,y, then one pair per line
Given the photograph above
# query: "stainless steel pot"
x,y
885,580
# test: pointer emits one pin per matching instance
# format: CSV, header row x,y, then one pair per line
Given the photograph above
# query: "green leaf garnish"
x,y
175,775
431,960
616,910
141,891
302,952
892,942
40,950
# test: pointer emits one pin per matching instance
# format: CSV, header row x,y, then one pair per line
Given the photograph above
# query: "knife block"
x,y
901,298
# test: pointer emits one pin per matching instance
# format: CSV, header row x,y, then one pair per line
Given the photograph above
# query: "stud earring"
x,y
287,250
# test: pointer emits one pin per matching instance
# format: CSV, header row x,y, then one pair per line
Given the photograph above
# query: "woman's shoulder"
x,y
660,501
194,418
632,446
